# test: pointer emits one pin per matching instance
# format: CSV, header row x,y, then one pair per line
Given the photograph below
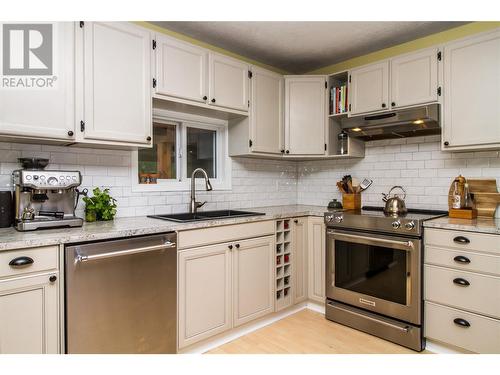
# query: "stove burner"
x,y
410,211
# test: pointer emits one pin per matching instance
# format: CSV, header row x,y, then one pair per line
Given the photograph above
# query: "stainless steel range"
x,y
374,272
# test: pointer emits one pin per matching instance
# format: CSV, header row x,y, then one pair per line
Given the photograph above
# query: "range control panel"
x,y
47,179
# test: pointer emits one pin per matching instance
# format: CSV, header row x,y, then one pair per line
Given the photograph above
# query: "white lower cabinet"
x,y
223,286
317,259
462,289
253,279
29,315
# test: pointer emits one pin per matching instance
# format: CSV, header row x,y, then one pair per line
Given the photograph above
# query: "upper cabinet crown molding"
x,y
471,116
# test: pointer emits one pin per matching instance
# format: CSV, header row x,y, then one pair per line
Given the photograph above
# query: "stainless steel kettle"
x,y
395,205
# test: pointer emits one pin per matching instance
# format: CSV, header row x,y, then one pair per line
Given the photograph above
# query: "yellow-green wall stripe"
x,y
208,46
428,41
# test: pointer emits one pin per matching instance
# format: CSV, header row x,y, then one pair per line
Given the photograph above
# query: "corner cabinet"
x,y
471,115
117,83
47,112
305,115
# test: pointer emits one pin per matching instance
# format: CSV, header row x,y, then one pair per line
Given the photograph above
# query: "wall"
x,y
415,163
254,182
428,41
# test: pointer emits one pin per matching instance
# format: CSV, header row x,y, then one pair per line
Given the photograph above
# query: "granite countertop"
x,y
133,226
479,225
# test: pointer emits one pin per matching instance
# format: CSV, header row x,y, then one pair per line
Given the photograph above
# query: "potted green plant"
x,y
100,207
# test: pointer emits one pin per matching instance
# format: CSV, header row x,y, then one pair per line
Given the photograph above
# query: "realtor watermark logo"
x,y
27,56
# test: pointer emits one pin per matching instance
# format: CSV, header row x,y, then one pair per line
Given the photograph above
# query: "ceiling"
x,y
300,47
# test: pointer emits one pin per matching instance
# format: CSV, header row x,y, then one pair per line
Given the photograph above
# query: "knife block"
x,y
351,201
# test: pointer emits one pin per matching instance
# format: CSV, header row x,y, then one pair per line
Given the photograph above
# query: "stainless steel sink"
x,y
205,215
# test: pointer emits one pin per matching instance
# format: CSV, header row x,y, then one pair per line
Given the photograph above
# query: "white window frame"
x,y
183,182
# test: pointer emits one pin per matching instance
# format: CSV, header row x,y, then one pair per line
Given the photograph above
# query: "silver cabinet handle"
x,y
373,239
86,258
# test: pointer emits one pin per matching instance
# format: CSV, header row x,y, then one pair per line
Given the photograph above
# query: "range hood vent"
x,y
411,122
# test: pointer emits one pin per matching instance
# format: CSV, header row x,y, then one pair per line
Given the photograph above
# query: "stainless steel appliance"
x,y
45,199
121,295
374,272
394,204
409,122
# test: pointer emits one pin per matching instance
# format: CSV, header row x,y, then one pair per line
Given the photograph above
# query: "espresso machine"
x,y
45,198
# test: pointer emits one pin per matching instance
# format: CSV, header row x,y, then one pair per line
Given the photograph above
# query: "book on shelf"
x,y
338,100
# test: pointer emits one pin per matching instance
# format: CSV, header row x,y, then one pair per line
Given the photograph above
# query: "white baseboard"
x,y
437,347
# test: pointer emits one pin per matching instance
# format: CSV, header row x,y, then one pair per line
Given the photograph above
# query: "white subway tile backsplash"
x,y
415,163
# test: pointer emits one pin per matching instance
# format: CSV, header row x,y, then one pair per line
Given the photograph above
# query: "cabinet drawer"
x,y
226,233
481,295
463,260
488,243
36,259
481,336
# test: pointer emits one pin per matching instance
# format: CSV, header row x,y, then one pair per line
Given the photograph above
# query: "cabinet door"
x,y
228,82
181,69
266,111
300,259
317,263
48,111
117,84
305,115
204,294
253,279
414,78
472,92
370,88
29,315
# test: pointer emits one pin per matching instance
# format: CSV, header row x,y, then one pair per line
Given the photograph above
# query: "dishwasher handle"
x,y
86,258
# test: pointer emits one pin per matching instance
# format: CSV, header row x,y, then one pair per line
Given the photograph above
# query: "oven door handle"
x,y
341,236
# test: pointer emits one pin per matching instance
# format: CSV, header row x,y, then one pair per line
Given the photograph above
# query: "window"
x,y
182,143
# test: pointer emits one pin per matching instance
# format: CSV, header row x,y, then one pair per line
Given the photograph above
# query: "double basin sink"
x,y
205,215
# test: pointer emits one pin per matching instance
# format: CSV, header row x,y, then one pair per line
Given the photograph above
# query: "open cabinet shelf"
x,y
283,259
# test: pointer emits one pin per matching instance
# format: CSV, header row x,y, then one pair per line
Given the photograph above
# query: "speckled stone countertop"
x,y
134,226
479,225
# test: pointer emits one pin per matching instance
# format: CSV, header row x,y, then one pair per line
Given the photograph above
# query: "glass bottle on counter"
x,y
456,197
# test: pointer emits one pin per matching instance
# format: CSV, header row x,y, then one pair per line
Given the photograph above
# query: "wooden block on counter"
x,y
351,201
462,213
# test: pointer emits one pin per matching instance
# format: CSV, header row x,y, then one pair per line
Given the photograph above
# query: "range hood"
x,y
410,122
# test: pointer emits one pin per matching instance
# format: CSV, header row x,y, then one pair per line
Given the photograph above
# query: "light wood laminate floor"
x,y
308,332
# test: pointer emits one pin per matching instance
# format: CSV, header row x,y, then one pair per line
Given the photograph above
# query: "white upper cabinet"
x,y
47,111
266,111
181,69
305,115
414,78
117,83
471,118
369,88
228,82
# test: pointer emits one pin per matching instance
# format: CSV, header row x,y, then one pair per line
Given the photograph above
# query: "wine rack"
x,y
283,262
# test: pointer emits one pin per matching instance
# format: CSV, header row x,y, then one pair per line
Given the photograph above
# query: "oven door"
x,y
375,272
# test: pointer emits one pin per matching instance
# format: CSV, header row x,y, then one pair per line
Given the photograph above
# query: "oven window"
x,y
375,271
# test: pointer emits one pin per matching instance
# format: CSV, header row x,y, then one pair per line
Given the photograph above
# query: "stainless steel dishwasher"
x,y
121,295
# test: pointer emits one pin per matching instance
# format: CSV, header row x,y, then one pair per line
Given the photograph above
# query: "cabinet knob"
x,y
148,139
461,240
446,143
461,259
237,245
213,100
287,151
21,262
383,105
230,247
282,151
70,133
461,322
393,104
205,97
52,278
461,282
295,221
